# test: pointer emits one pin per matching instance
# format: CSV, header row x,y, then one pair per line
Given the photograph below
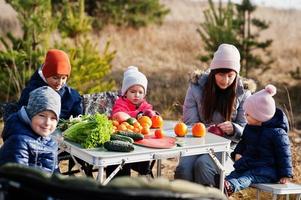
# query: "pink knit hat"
x,y
261,105
227,56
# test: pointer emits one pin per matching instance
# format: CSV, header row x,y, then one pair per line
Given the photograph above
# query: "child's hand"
x,y
237,156
150,113
284,180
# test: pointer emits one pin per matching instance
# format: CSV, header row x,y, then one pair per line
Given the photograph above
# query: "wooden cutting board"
x,y
159,143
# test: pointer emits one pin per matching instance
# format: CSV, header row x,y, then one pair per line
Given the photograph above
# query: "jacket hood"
x,y
17,124
279,120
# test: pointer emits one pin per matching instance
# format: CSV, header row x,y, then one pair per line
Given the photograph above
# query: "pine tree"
x,y
235,24
22,56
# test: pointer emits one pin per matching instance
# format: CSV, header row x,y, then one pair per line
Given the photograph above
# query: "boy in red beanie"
x,y
54,73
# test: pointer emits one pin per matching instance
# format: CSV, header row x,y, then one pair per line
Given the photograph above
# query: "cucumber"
x,y
134,136
121,138
119,146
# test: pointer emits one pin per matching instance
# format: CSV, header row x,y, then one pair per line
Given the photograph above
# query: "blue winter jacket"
x,y
265,149
22,145
70,98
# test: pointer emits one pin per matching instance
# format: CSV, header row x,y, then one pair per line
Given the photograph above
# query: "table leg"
x,y
100,174
159,167
77,164
274,197
222,175
257,194
220,165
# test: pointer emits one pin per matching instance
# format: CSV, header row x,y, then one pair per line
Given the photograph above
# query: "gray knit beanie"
x,y
41,99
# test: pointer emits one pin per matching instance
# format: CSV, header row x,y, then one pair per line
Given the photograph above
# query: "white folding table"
x,y
100,158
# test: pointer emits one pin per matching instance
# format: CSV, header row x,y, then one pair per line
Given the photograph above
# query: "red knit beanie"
x,y
56,62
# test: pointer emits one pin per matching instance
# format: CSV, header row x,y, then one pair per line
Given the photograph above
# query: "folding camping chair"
x,y
20,181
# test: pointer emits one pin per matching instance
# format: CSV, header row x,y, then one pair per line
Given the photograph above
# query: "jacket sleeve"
x,y
15,150
121,106
283,152
145,106
190,107
24,97
77,108
239,149
240,120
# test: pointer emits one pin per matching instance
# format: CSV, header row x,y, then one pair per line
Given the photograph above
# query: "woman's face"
x,y
56,82
224,80
135,94
44,123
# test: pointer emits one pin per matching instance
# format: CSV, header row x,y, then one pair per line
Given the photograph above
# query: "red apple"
x,y
215,130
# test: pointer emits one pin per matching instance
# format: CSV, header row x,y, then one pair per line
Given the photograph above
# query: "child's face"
x,y
252,121
44,123
224,80
56,82
135,94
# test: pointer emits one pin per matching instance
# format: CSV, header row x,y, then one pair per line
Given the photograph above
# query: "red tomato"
x,y
159,133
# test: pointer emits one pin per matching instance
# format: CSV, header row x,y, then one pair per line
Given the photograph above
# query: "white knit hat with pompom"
x,y
132,76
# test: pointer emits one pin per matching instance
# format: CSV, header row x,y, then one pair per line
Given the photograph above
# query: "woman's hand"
x,y
227,127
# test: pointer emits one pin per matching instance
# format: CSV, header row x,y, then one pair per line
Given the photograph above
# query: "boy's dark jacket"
x,y
22,145
265,149
70,98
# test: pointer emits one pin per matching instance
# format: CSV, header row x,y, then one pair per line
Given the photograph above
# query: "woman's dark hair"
x,y
216,99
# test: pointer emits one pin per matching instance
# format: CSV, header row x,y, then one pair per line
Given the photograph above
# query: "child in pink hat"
x,y
263,154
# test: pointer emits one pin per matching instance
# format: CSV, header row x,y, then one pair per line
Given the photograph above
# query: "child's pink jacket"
x,y
124,105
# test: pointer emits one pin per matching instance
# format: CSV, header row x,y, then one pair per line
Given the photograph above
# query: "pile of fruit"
x,y
127,129
141,125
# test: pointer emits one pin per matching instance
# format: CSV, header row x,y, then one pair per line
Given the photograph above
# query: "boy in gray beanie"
x,y
26,133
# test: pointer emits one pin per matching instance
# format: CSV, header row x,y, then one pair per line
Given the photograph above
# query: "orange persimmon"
x,y
145,120
157,121
180,129
198,130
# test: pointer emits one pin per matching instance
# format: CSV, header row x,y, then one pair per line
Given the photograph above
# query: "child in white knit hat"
x,y
133,91
132,103
263,155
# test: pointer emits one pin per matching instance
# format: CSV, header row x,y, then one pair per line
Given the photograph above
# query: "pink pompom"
x,y
271,89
